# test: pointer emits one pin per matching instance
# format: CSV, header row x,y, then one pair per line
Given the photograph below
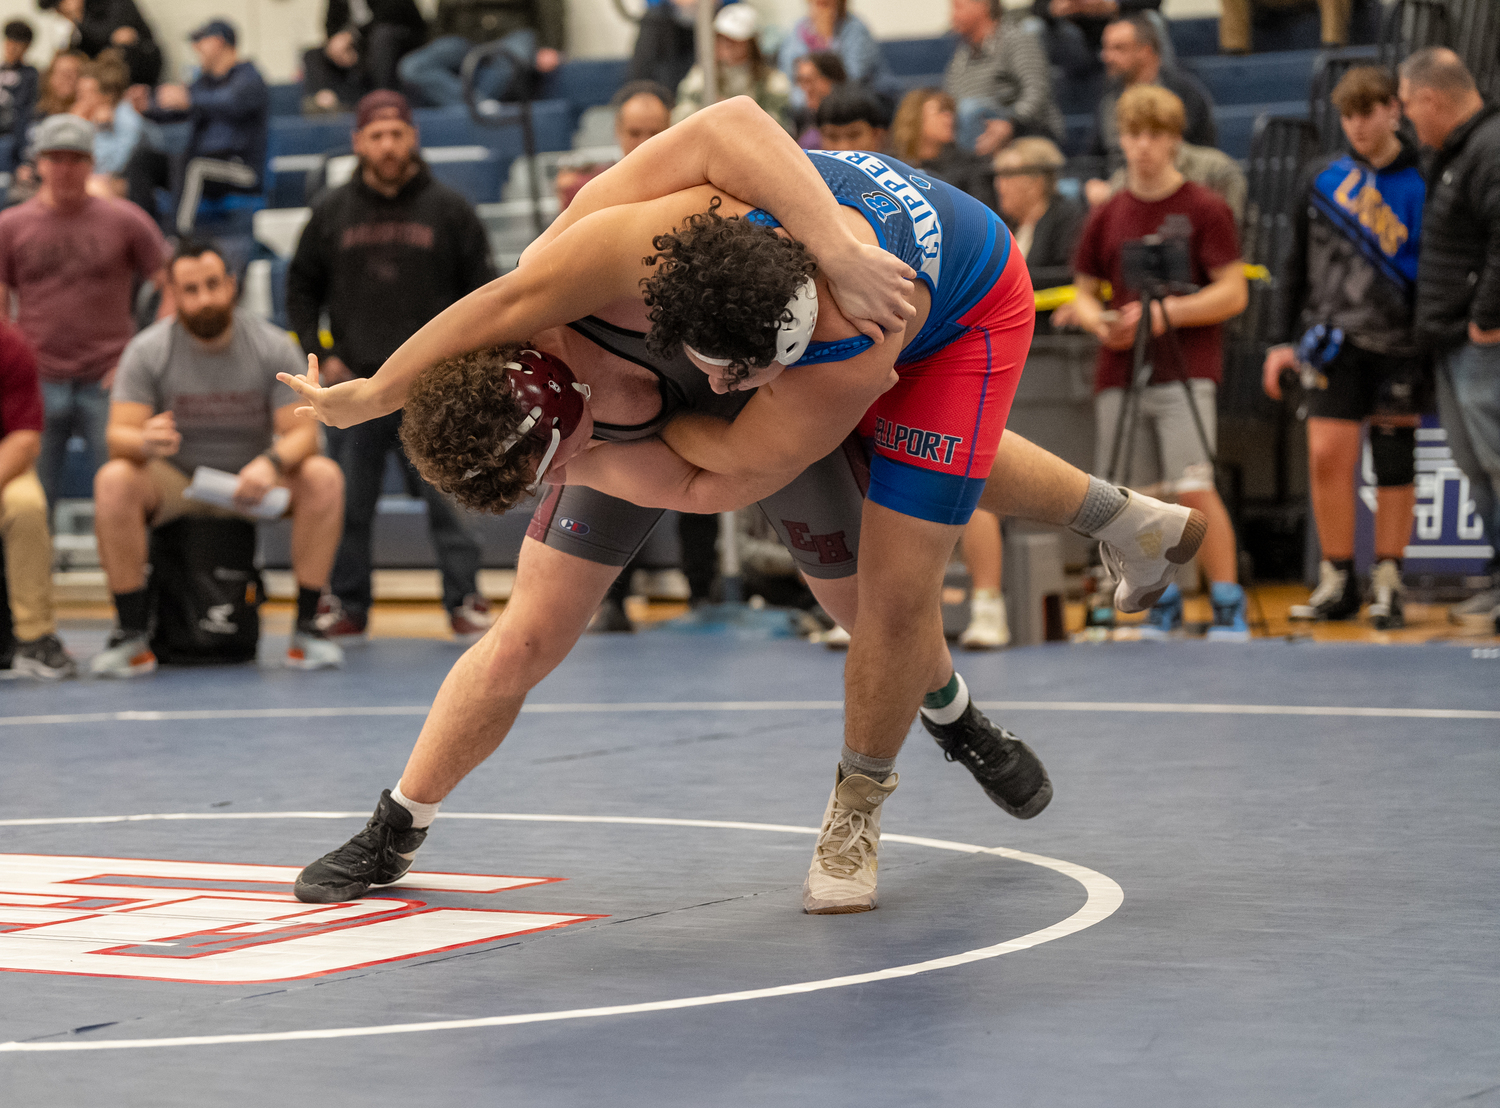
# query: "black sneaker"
x,y
373,857
45,658
1005,767
1336,597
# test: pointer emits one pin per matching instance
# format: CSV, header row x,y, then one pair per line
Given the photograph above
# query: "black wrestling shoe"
x,y
373,857
1005,767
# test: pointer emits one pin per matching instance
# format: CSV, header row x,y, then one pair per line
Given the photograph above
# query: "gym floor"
x,y
1269,877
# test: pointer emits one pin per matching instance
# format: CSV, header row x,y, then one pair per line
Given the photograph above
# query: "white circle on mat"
x,y
1104,896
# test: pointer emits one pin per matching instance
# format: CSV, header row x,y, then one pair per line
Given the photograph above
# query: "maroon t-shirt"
x,y
1192,212
20,392
74,275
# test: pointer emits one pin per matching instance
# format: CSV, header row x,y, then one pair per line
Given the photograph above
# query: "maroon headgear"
x,y
552,399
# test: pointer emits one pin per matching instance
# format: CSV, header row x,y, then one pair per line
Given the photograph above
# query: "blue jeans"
x,y
72,408
432,70
360,451
1468,391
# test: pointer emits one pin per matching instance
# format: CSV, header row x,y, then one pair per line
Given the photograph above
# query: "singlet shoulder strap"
x,y
762,217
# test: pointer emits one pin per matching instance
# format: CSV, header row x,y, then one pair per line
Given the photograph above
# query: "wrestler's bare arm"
x,y
650,474
597,262
790,423
737,147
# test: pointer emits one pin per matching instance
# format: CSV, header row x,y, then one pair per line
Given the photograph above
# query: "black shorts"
x,y
1359,384
817,517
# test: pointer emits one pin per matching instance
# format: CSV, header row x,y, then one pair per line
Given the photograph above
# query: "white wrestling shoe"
x,y
1143,545
126,655
841,878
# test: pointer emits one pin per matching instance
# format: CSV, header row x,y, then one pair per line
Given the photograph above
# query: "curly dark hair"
x,y
456,416
722,286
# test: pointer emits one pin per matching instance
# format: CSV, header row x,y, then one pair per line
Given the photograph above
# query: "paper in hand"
x,y
214,486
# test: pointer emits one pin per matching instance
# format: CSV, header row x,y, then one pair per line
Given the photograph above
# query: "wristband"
x,y
275,460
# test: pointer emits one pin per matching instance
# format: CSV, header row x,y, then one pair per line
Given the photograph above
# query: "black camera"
x,y
1156,264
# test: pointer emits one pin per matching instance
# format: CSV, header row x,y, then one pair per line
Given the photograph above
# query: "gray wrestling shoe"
x,y
1143,545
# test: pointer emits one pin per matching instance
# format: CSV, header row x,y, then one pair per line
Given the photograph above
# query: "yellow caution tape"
x,y
1048,300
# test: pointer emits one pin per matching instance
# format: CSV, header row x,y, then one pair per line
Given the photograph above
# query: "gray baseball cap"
x,y
63,132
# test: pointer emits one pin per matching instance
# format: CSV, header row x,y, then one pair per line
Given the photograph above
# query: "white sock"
x,y
422,815
948,713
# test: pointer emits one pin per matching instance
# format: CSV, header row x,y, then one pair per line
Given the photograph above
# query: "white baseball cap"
x,y
737,21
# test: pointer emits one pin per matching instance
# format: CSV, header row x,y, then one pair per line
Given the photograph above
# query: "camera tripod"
x,y
1153,292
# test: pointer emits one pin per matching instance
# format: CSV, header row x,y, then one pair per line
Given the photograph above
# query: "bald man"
x,y
1458,280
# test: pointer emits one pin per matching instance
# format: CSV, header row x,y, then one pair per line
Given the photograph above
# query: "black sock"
x,y
133,610
307,603
1343,565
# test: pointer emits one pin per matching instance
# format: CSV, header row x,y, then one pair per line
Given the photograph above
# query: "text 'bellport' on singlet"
x,y
957,245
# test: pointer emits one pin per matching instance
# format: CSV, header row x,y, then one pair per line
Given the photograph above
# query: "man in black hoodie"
x,y
383,254
1458,278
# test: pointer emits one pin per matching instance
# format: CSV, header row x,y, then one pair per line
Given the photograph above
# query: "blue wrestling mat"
x,y
1269,877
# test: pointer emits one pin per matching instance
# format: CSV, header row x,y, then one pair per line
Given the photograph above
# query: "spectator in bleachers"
x,y
19,82
923,137
73,261
815,75
1075,29
530,29
1458,278
1352,267
665,47
1046,225
828,27
27,543
117,125
1132,56
200,389
742,69
382,255
999,79
1203,165
853,117
642,109
1158,200
333,75
60,84
1235,17
382,32
58,27
229,107
119,25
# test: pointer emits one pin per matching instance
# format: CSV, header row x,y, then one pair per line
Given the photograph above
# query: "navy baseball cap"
x,y
219,27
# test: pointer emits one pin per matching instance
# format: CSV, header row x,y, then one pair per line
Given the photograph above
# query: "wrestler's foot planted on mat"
x,y
841,878
1143,545
379,855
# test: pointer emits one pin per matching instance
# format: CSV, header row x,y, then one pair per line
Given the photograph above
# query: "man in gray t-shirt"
x,y
200,389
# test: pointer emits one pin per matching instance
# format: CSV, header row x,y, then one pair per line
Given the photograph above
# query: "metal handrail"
x,y
525,73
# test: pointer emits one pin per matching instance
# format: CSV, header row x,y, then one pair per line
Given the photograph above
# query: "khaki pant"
x,y
1234,20
170,483
28,556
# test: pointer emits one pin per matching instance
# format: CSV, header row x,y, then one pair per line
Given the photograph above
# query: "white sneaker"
x,y
988,627
1336,597
124,656
835,638
311,649
1478,612
1386,594
841,878
1143,545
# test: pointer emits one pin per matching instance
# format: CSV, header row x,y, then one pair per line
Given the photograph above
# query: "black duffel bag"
x,y
207,590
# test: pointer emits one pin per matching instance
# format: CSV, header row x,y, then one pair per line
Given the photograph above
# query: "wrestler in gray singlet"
x,y
817,515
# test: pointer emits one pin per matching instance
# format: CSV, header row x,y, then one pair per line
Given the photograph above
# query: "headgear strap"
x,y
553,401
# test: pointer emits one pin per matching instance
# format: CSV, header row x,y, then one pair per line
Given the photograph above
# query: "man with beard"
x,y
383,254
201,390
